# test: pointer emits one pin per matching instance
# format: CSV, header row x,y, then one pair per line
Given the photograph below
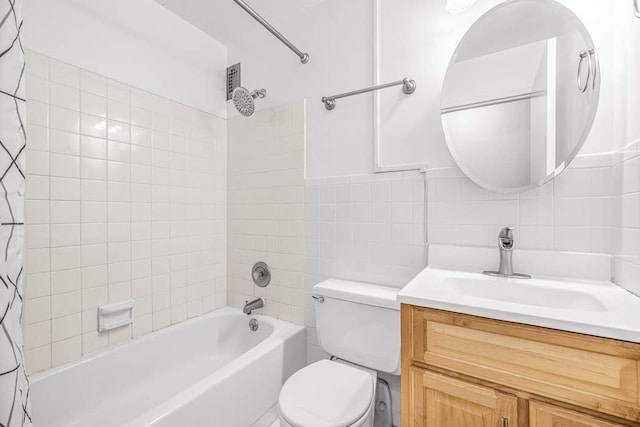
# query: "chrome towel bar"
x,y
304,57
408,87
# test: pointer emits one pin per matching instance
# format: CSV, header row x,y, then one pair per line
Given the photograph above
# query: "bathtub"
x,y
208,371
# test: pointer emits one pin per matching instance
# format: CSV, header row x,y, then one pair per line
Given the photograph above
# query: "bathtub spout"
x,y
253,305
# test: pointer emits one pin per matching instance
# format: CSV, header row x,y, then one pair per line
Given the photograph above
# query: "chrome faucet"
x,y
506,243
253,305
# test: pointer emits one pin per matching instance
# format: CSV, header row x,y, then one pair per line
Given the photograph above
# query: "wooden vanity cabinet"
x,y
467,371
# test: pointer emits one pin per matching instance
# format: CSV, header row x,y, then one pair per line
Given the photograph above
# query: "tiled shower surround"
x,y
266,208
126,198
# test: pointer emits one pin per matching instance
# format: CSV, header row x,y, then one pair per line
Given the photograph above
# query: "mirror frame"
x,y
585,131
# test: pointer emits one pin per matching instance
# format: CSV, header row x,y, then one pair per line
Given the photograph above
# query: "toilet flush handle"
x,y
318,298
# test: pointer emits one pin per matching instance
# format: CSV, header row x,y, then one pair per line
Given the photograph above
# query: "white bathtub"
x,y
209,371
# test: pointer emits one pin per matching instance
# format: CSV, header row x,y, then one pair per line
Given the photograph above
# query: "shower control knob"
x,y
261,274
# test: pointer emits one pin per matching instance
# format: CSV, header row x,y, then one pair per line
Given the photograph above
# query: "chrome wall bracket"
x,y
408,87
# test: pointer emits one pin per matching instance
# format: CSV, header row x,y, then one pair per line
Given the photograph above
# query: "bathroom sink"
x,y
590,307
542,293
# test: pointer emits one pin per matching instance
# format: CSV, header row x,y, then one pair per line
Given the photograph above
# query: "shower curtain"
x,y
14,386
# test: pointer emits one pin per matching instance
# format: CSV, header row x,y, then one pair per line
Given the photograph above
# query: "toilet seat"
x,y
326,394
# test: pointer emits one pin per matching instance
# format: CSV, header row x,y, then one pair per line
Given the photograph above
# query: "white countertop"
x,y
600,308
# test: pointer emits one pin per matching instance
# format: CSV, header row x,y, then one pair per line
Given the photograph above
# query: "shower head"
x,y
244,100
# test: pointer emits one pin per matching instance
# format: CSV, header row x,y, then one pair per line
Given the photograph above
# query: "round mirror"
x,y
520,94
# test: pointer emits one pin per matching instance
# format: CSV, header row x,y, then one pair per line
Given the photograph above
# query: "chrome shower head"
x,y
244,100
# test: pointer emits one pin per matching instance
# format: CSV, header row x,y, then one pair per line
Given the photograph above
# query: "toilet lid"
x,y
326,394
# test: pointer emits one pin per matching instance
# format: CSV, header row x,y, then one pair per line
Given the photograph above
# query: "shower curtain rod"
x,y
304,57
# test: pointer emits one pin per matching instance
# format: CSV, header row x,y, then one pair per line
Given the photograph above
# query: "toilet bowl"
x,y
328,394
359,324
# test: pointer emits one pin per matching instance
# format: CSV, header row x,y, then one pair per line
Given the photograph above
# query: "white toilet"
x,y
358,324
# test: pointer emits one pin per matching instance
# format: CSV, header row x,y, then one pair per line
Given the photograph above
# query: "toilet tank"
x,y
359,323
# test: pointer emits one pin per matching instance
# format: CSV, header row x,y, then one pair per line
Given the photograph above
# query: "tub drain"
x,y
253,325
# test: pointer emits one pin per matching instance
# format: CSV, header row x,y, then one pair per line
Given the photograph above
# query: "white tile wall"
x,y
266,208
626,243
126,198
573,212
367,228
626,247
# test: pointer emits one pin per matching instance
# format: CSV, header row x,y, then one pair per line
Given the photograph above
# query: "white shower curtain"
x,y
14,386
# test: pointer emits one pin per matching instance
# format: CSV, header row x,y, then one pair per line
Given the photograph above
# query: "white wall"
x,y
626,242
137,42
417,40
338,36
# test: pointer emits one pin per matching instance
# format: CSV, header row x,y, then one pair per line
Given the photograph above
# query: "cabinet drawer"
x,y
594,373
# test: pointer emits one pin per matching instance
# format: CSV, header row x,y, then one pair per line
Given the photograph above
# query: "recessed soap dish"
x,y
113,316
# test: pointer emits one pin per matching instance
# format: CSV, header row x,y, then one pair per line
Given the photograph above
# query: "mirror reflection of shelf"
x,y
496,101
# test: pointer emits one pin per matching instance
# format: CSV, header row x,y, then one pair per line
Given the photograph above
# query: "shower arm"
x,y
259,93
304,57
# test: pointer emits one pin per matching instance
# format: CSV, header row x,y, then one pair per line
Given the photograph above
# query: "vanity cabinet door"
x,y
544,415
441,401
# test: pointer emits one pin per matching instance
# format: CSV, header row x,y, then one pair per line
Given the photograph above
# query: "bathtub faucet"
x,y
253,305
